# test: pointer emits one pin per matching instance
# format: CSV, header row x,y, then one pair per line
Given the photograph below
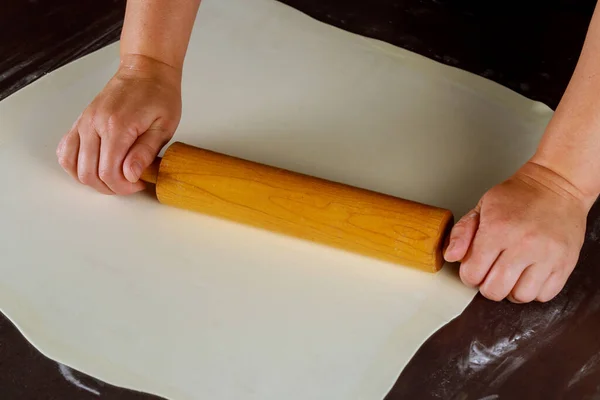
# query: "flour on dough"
x,y
188,307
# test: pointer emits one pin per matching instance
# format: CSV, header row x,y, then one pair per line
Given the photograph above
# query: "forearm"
x,y
158,30
571,144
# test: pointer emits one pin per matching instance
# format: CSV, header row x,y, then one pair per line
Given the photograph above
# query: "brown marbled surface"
x,y
25,374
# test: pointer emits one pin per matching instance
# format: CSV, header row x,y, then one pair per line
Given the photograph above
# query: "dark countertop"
x,y
25,374
491,351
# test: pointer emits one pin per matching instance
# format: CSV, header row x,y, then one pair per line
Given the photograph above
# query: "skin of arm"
x,y
523,239
158,30
124,128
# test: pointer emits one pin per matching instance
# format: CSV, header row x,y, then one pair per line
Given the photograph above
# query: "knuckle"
x,y
460,225
529,240
65,161
86,178
553,287
130,133
455,235
492,292
115,183
545,297
524,296
113,123
146,152
88,119
116,126
97,123
562,265
473,214
105,175
469,275
167,132
558,245
86,129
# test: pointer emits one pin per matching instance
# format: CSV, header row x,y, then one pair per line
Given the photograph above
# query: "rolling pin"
x,y
344,217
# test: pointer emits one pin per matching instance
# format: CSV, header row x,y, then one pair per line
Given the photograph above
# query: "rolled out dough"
x,y
188,307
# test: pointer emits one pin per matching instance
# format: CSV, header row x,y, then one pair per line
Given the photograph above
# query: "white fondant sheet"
x,y
189,307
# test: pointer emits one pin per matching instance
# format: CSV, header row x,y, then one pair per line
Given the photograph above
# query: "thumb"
x,y
143,152
462,235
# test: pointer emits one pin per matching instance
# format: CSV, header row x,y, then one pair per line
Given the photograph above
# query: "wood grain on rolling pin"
x,y
306,207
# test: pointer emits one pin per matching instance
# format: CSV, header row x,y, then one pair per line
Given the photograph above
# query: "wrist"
x,y
551,177
140,66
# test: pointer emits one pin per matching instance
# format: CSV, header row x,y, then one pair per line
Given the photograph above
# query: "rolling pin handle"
x,y
150,175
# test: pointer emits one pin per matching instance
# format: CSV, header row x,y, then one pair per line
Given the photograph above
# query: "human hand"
x,y
523,239
124,128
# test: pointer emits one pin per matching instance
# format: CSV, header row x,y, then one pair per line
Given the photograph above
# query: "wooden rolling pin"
x,y
342,216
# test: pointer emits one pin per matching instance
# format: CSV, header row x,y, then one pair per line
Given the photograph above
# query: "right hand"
x,y
523,239
124,128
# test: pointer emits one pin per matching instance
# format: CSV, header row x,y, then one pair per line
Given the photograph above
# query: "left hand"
x,y
120,133
523,239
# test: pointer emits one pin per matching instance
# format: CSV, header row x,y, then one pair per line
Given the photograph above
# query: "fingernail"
x,y
136,168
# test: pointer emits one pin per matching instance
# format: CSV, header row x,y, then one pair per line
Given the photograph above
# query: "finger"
x,y
479,259
143,153
115,145
558,278
503,276
68,152
552,286
530,283
87,162
461,236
